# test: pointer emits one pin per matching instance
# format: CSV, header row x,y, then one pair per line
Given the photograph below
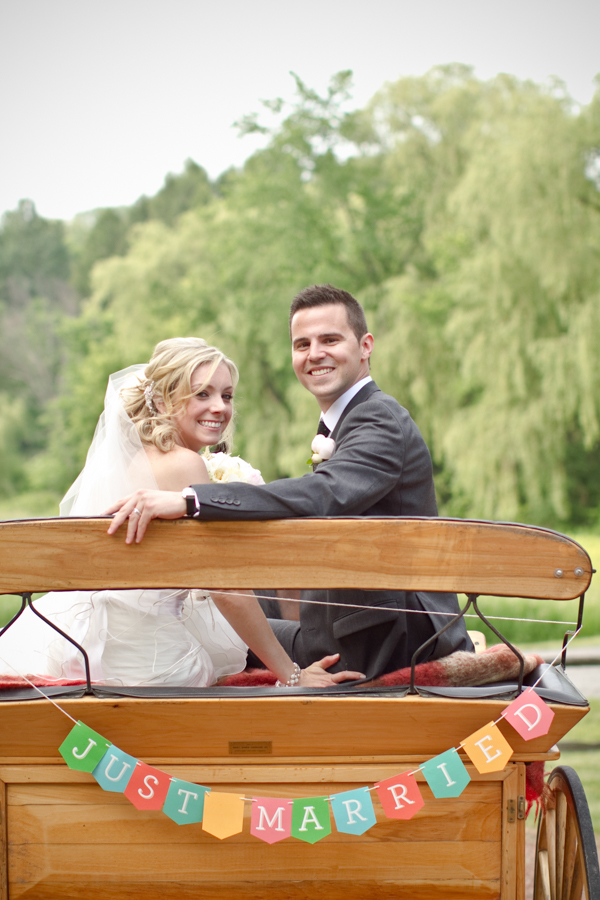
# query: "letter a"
x,y
310,819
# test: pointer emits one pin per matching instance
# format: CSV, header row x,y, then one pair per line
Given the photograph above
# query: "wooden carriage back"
x,y
61,835
409,554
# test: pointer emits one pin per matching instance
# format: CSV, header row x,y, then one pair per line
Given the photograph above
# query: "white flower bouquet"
x,y
223,468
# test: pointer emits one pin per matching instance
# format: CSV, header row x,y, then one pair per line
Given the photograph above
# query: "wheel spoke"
x,y
561,830
577,883
551,844
566,858
543,879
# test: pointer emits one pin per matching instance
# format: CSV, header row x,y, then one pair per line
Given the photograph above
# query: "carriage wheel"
x,y
566,856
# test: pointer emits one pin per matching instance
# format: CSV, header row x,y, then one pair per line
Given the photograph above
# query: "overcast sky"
x,y
99,100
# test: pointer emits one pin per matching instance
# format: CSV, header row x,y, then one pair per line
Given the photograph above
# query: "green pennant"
x,y
83,748
310,819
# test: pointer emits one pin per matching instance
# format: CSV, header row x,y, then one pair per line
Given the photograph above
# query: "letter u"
x,y
113,759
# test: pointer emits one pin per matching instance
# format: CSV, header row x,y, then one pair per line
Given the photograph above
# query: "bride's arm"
x,y
173,471
244,614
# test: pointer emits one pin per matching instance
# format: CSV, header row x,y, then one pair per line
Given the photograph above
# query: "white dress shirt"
x,y
332,416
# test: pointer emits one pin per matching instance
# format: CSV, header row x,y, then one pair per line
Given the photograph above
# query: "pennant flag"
x,y
271,819
310,819
529,715
83,748
488,749
223,814
147,787
400,796
353,811
446,775
114,770
185,802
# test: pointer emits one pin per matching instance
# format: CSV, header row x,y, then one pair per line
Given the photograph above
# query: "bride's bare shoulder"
x,y
176,468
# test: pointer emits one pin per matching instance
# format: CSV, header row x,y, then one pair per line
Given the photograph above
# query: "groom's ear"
x,y
366,345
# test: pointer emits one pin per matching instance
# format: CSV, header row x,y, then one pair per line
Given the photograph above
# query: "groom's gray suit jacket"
x,y
381,467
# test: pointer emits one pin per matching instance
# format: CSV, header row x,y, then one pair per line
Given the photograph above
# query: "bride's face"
x,y
209,411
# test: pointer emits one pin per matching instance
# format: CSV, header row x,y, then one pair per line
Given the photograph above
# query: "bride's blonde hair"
x,y
167,384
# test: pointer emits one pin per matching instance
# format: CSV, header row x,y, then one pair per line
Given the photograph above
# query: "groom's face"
x,y
326,354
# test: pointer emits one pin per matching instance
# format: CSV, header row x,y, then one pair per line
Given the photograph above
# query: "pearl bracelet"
x,y
293,680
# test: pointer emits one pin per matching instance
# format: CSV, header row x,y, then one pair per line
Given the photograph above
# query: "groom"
x,y
380,466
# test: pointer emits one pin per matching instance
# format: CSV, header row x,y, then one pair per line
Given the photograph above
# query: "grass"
x,y
535,632
40,504
586,762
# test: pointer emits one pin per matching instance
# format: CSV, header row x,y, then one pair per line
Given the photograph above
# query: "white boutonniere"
x,y
322,448
223,468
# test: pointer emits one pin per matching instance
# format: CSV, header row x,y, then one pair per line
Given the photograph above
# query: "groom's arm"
x,y
378,446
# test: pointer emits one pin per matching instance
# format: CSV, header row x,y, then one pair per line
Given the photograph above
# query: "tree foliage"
x,y
464,214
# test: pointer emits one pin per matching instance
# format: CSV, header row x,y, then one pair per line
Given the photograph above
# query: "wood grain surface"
x,y
326,727
416,554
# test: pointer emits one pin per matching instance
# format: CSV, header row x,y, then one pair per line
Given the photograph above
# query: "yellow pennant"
x,y
223,814
488,749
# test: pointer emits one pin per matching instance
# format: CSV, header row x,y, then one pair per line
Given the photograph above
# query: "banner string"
x,y
502,714
354,606
36,688
328,798
423,612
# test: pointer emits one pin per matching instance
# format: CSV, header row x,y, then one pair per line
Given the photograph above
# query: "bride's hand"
x,y
140,508
316,675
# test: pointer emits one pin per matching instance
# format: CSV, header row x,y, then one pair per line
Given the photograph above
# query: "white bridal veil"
x,y
131,637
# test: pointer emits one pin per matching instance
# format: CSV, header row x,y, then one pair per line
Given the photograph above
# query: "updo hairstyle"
x,y
167,385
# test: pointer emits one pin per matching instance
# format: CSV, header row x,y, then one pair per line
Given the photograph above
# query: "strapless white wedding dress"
x,y
132,638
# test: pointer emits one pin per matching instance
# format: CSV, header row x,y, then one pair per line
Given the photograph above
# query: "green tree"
x,y
465,216
513,419
109,233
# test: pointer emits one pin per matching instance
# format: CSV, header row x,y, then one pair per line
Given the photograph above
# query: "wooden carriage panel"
x,y
71,839
62,836
291,727
3,845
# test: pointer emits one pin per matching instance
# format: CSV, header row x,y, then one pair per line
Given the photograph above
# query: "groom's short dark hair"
x,y
326,294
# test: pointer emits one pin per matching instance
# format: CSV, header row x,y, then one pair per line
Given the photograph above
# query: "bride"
x,y
156,420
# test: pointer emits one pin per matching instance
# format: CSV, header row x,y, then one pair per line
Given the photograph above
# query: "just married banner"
x,y
308,818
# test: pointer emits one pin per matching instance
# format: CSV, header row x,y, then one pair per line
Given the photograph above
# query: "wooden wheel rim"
x,y
566,855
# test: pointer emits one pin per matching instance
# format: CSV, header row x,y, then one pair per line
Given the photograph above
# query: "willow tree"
x,y
301,211
465,214
500,339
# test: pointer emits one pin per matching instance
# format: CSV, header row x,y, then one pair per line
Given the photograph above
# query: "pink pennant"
x,y
529,715
271,819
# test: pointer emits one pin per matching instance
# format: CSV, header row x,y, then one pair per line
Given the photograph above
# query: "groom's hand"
x,y
140,508
316,675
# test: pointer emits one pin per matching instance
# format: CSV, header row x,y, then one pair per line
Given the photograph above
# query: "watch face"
x,y
191,501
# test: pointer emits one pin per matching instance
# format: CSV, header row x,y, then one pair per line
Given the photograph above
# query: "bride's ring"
x,y
136,511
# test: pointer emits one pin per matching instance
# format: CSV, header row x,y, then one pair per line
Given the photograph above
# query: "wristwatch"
x,y
191,502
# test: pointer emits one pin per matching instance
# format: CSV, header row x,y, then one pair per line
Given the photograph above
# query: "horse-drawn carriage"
x,y
282,766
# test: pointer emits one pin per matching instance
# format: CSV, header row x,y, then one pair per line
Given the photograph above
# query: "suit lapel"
x,y
362,395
